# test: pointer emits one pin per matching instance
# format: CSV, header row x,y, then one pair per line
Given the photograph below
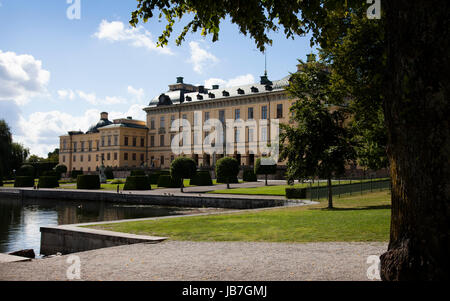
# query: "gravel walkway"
x,y
226,261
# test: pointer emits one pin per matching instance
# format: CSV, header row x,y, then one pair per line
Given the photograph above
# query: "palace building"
x,y
133,143
120,143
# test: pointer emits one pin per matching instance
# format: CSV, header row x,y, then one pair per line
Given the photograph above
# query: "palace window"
x,y
115,156
250,113
161,140
75,147
279,110
125,156
162,123
152,123
134,141
109,140
264,112
126,141
237,114
142,142
103,141
116,140
90,146
206,116
142,157
81,158
89,158
152,141
134,157
108,156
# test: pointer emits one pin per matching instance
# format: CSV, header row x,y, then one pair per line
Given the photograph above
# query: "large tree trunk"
x,y
417,118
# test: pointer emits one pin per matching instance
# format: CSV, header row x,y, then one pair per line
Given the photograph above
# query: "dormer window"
x,y
225,93
269,88
188,98
199,97
211,95
254,90
240,91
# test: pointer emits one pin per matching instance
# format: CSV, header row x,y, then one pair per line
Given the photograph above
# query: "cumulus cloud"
x,y
21,77
40,131
66,94
240,80
200,58
136,93
116,31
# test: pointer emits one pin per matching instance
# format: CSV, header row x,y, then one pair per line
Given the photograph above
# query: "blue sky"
x,y
58,74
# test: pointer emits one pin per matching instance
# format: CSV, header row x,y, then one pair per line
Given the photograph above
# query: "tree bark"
x,y
330,194
417,119
266,179
182,185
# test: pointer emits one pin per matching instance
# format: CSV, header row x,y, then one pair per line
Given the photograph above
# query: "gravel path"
x,y
226,261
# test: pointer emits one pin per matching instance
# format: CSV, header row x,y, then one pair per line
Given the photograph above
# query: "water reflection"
x,y
20,220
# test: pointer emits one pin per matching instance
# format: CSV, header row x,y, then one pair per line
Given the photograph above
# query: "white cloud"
x,y
200,58
115,31
136,93
240,80
40,131
92,98
63,94
21,77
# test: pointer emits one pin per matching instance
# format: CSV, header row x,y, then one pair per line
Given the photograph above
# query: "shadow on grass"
x,y
376,207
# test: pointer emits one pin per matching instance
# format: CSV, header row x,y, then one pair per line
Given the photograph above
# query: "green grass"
x,y
277,189
356,218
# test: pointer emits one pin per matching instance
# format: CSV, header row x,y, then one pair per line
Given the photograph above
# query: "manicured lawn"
x,y
277,189
356,218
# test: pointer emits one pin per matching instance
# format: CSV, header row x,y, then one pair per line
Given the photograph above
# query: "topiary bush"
x,y
137,183
22,181
201,178
75,173
137,172
183,168
249,176
60,169
109,173
25,171
167,181
48,182
227,170
154,178
296,193
88,182
269,169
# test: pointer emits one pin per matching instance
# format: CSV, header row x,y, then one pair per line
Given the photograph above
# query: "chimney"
x,y
179,80
104,115
130,118
215,87
201,89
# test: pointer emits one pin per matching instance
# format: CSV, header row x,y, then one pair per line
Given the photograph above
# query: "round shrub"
x,y
137,183
249,176
48,182
109,173
75,173
227,170
26,171
137,172
24,182
183,168
167,181
60,169
88,182
202,178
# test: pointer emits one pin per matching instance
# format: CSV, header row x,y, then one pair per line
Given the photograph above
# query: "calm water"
x,y
20,220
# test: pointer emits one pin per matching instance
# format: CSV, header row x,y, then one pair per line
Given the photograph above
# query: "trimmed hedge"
x,y
201,178
296,193
137,183
88,182
24,182
155,176
109,173
249,176
168,182
75,173
48,182
137,172
1,181
26,171
227,170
